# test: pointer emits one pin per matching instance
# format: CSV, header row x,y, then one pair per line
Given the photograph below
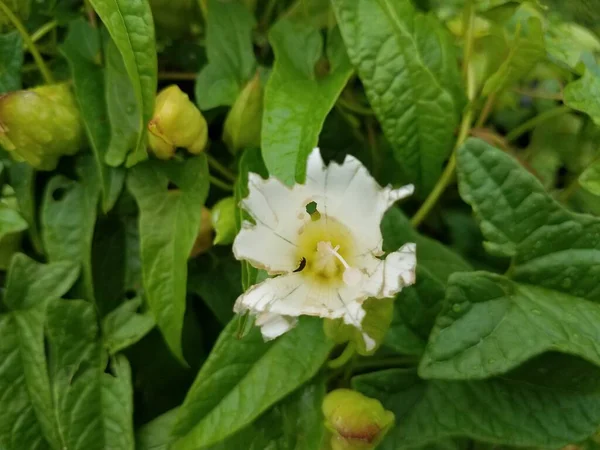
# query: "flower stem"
x,y
447,174
43,30
184,76
487,109
343,358
48,78
570,190
221,184
212,162
534,121
386,363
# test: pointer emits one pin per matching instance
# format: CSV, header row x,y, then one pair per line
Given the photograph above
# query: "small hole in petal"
x,y
312,211
172,186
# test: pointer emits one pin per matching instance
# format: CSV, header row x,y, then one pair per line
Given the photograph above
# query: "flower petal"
x,y
386,277
279,213
265,249
350,194
291,295
274,325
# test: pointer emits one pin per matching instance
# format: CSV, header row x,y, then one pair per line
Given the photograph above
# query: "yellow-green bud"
x,y
244,120
204,237
223,219
356,422
40,125
176,123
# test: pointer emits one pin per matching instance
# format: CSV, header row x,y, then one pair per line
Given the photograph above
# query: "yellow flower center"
x,y
326,252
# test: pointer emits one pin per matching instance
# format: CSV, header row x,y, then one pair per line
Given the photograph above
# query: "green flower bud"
x,y
375,325
40,125
204,237
244,120
356,422
176,123
223,219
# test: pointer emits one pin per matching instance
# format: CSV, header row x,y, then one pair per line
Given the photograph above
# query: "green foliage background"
x,y
113,337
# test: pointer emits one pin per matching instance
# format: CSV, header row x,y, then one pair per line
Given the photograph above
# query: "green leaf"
x,y
490,325
125,326
550,408
10,221
555,255
218,283
131,27
519,219
590,178
583,94
121,107
231,61
408,67
25,414
22,180
298,96
92,409
156,435
243,378
81,48
68,217
11,60
524,52
417,306
170,196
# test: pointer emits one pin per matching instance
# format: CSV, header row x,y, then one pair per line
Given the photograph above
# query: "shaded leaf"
x,y
22,180
524,52
407,64
520,410
121,107
551,246
297,99
252,376
417,306
131,27
490,325
11,60
68,219
170,196
125,326
230,55
590,178
81,48
583,94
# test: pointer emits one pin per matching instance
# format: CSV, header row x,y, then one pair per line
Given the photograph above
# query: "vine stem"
x,y
42,31
447,174
220,184
212,162
48,78
341,360
465,125
534,121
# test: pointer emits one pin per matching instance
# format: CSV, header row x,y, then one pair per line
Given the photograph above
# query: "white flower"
x,y
327,262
